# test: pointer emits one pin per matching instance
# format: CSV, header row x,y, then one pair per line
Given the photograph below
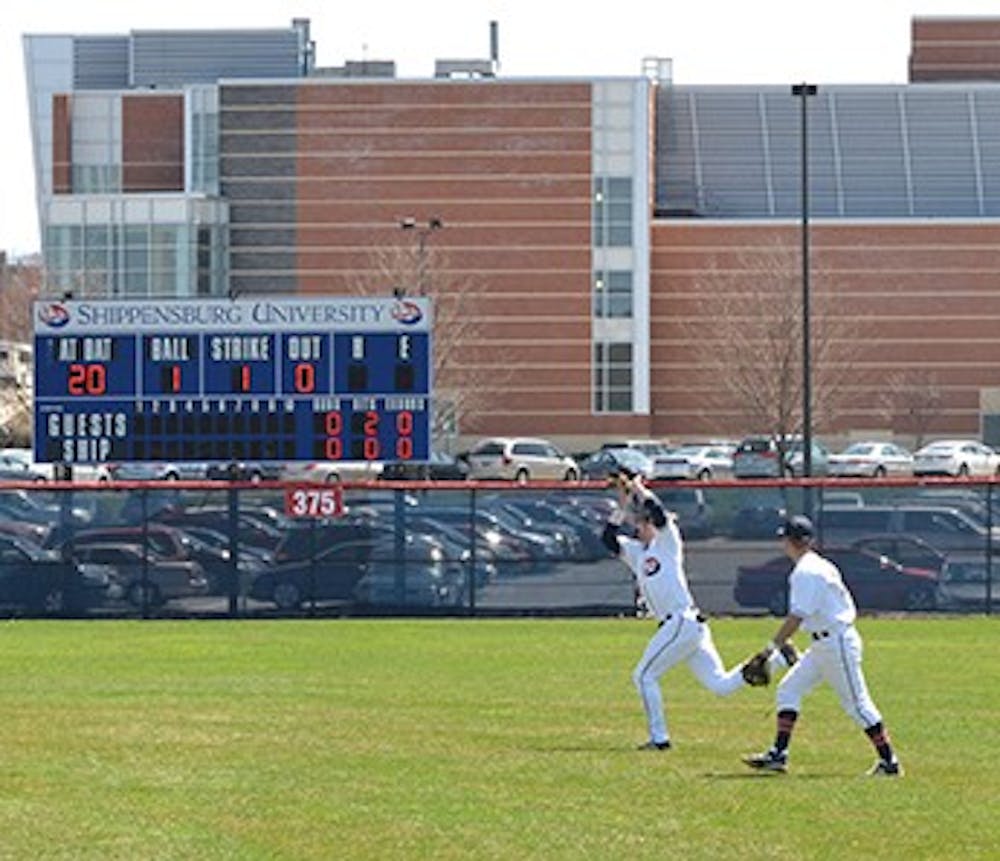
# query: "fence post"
x,y
989,547
144,507
234,549
399,547
471,575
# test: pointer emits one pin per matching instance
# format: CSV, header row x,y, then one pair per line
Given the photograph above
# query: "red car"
x,y
876,582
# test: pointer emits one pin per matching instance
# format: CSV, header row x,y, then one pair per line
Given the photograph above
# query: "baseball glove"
x,y
756,672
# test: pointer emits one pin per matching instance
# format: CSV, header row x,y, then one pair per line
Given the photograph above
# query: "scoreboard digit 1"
x,y
281,378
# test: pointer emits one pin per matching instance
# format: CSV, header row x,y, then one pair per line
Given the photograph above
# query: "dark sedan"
x,y
876,582
40,582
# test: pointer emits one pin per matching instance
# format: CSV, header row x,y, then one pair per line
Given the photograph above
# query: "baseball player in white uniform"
x,y
656,558
821,604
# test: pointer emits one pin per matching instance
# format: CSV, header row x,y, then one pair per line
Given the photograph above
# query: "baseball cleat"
x,y
885,769
770,760
654,745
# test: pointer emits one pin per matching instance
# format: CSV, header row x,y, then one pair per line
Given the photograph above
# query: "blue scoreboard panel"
x,y
285,379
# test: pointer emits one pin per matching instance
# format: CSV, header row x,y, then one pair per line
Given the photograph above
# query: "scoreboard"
x,y
219,380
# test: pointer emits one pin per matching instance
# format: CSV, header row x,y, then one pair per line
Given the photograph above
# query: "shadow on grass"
x,y
767,775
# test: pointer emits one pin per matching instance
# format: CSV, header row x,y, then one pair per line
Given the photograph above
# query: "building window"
x,y
613,294
612,377
612,211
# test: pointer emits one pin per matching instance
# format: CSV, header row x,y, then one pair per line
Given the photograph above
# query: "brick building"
x,y
596,221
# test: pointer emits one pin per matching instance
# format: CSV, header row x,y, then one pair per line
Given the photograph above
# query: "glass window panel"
x,y
619,402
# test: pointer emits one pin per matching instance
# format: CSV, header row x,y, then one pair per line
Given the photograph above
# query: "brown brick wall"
x,y
507,168
152,143
62,145
955,49
917,299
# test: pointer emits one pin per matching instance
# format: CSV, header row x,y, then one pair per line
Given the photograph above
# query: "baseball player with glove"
x,y
656,559
821,604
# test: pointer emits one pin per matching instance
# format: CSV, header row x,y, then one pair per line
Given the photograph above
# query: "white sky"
x,y
709,41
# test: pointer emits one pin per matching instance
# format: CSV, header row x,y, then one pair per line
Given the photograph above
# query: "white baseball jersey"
x,y
659,570
817,594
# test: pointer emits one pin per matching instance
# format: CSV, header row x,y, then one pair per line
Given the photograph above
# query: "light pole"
x,y
423,232
804,91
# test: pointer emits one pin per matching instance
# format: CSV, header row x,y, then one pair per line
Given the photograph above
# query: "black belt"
x,y
820,635
699,616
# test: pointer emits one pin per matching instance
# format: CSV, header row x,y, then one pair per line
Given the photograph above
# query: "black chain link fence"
x,y
212,549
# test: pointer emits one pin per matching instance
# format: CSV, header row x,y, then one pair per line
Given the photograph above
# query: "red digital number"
x,y
371,448
404,448
404,423
334,448
87,379
333,423
245,378
305,377
175,378
371,424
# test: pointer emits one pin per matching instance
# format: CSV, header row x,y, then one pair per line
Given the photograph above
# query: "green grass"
x,y
474,739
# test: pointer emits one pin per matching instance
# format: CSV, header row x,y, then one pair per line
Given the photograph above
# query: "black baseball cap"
x,y
654,513
799,527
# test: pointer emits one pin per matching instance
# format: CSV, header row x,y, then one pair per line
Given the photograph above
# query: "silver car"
x,y
694,461
956,457
521,459
876,459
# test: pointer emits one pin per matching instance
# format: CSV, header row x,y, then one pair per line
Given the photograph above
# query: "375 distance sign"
x,y
268,378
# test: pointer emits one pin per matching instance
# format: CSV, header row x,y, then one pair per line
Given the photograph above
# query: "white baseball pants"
x,y
835,658
680,638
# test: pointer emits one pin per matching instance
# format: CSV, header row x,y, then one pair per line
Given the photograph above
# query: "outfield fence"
x,y
240,549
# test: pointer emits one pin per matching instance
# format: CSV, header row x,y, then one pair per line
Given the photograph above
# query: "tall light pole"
x,y
423,231
804,91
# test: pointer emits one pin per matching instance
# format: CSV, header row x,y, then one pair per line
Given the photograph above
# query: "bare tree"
x,y
752,347
18,289
911,400
461,389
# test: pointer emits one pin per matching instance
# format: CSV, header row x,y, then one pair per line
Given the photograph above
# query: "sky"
x,y
708,42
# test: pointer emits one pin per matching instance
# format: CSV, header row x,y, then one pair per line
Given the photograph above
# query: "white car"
x,y
15,461
332,471
957,457
694,461
875,459
521,459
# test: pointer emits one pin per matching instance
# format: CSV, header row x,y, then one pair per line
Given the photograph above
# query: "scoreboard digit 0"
x,y
289,378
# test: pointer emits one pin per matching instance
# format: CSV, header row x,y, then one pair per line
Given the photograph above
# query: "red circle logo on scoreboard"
x,y
407,313
54,315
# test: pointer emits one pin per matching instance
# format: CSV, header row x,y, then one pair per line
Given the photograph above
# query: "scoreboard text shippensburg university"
x,y
228,380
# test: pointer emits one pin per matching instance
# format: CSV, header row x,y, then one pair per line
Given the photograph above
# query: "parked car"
x,y
957,457
331,576
652,448
945,528
601,464
245,471
152,471
521,459
757,457
875,459
700,462
27,507
332,471
694,514
440,467
876,582
145,583
19,464
41,582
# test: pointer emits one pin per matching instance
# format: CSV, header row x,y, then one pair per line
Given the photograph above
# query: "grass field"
x,y
474,739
